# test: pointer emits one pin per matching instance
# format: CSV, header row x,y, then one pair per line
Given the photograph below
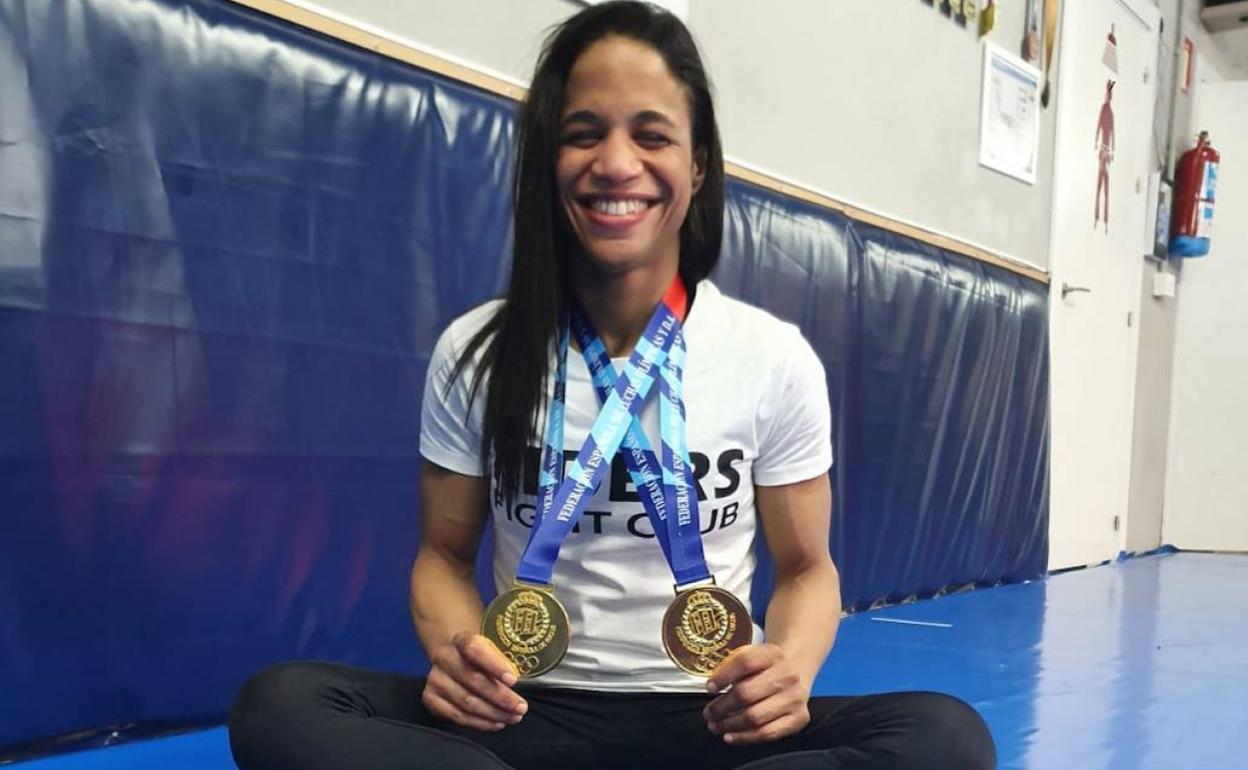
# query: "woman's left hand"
x,y
767,700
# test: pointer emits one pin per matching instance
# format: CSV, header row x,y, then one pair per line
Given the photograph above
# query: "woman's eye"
x,y
580,138
652,140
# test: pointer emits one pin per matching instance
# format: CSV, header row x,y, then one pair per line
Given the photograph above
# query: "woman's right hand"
x,y
470,684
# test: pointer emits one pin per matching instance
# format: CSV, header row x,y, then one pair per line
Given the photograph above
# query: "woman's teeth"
x,y
617,208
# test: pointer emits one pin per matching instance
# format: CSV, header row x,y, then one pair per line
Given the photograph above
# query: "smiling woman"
x,y
626,169
618,223
585,103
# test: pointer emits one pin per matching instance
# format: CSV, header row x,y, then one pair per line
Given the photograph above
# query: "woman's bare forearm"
x,y
803,616
444,599
805,607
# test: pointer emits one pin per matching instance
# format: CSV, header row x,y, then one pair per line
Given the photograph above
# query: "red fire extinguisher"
x,y
1196,179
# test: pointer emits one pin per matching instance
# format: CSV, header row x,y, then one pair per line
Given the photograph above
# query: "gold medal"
x,y
529,627
702,626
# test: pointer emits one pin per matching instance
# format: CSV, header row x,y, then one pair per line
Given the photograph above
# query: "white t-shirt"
x,y
757,412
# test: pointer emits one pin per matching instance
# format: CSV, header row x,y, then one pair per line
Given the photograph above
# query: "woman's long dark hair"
x,y
518,339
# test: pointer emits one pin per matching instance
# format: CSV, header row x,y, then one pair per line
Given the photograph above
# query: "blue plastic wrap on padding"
x,y
938,372
227,247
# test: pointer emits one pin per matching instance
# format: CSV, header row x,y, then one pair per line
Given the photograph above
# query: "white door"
x,y
1105,116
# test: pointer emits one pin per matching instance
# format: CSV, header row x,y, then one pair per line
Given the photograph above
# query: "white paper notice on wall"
x,y
679,8
1009,127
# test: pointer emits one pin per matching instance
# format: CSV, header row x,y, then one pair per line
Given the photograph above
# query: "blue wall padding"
x,y
227,247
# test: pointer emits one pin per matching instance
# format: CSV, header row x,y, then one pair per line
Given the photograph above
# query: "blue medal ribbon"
x,y
594,459
687,559
671,490
639,458
668,496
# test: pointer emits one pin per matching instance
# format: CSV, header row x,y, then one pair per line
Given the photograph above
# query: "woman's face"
x,y
626,167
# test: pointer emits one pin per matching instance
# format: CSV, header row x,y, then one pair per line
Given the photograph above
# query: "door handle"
x,y
1068,289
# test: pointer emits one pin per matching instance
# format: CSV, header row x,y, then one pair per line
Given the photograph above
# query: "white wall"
x,y
1207,46
1215,60
498,37
876,103
1234,45
1211,64
1207,474
1155,365
1151,419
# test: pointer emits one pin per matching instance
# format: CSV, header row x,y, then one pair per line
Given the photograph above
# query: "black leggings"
x,y
301,716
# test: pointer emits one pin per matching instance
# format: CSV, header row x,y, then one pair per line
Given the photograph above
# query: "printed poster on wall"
x,y
1009,130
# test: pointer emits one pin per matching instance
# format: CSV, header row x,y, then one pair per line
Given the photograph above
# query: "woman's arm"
x,y
469,682
805,607
770,683
444,596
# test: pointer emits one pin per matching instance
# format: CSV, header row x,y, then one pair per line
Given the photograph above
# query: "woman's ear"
x,y
699,169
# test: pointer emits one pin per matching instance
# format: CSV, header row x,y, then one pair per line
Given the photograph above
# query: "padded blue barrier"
x,y
227,247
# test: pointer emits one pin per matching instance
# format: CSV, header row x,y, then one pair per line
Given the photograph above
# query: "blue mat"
x,y
1138,665
203,750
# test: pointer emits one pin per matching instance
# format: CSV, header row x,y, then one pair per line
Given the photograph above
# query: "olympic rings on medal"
x,y
711,661
526,663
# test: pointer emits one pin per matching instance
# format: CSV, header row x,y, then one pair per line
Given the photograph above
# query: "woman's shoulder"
x,y
460,331
749,325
